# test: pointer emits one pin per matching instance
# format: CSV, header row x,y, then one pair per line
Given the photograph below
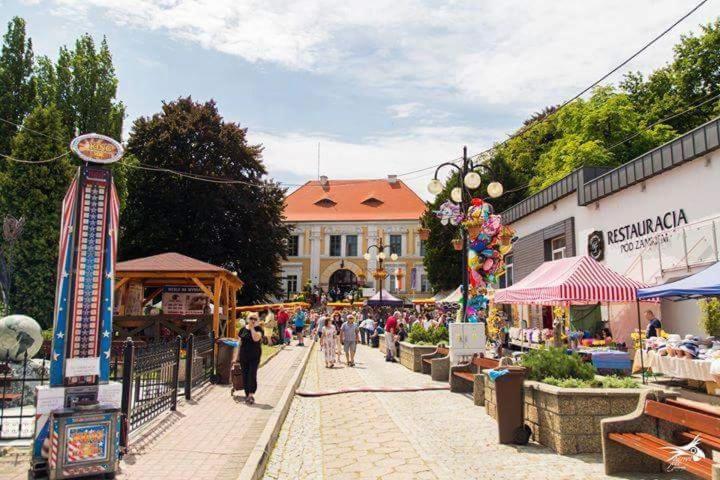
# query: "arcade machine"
x,y
77,426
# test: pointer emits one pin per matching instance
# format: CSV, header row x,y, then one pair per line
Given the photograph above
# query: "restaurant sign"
x,y
96,148
646,232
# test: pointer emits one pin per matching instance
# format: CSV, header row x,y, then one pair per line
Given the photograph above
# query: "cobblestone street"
x,y
423,435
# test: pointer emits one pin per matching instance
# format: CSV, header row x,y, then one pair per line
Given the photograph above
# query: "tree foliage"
x,y
237,226
35,191
16,80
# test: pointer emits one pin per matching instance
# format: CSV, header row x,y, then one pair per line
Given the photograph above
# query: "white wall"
x,y
693,187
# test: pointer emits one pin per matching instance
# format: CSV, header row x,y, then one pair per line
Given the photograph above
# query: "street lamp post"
x,y
468,179
380,272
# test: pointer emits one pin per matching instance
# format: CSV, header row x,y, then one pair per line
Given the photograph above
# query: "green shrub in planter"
x,y
556,363
440,335
611,381
710,319
418,334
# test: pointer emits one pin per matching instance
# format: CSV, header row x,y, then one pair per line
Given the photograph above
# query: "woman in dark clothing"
x,y
249,355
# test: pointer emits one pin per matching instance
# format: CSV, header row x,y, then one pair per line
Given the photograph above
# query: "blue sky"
x,y
384,86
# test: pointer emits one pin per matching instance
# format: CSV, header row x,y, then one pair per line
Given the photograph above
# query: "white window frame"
x,y
558,253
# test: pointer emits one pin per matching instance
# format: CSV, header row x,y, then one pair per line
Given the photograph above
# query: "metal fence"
x,y
152,376
18,380
150,380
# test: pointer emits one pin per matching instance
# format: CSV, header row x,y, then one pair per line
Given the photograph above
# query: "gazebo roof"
x,y
167,262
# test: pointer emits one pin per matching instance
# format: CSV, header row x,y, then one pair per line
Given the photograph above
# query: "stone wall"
x,y
410,355
567,420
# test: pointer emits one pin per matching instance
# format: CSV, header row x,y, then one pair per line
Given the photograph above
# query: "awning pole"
x,y
642,361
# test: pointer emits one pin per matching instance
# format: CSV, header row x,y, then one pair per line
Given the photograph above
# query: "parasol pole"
x,y
642,361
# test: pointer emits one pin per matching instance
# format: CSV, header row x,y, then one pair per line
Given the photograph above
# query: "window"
x,y
557,247
507,279
422,248
335,245
293,246
291,283
424,283
351,243
396,244
392,283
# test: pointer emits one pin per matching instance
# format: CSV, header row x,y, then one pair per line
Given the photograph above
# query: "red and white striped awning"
x,y
574,280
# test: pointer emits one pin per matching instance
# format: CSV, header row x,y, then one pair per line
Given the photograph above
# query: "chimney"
x,y
392,179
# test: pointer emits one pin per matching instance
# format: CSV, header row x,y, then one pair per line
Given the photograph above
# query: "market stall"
x,y
383,298
172,294
561,284
684,357
272,306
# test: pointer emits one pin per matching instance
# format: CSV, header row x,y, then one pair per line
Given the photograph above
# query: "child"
x,y
288,335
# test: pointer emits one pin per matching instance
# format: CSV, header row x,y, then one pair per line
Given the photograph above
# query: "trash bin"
x,y
226,355
510,404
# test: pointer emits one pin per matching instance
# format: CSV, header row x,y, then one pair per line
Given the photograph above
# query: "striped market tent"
x,y
574,280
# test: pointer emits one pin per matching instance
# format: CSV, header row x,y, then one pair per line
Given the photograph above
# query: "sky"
x,y
372,88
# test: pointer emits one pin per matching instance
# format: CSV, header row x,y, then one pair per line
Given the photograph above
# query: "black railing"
x,y
150,380
18,380
152,376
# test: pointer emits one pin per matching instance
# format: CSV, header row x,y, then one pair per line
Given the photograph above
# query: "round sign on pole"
x,y
96,148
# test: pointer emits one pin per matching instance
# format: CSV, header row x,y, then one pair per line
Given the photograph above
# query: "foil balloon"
x,y
449,213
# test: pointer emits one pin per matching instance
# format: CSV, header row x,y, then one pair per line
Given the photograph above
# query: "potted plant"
x,y
423,233
474,229
457,244
506,235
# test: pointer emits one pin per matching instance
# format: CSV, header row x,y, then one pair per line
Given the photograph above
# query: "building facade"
x,y
653,219
335,222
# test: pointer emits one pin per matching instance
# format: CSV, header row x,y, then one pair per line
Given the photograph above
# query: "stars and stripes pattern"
x,y
573,280
86,264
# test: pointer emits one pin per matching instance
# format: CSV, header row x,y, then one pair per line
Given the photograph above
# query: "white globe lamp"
x,y
472,180
495,189
435,186
456,194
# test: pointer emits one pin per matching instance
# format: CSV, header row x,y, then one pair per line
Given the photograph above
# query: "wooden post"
x,y
216,305
232,329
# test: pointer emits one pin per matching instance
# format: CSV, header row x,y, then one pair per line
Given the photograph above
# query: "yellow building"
x,y
334,224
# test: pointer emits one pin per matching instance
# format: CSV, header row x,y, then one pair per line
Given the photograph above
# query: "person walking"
x,y
350,335
327,342
299,322
390,333
366,329
337,323
249,355
282,318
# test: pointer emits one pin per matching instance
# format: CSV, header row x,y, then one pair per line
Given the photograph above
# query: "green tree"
x,y
35,191
238,226
442,262
16,80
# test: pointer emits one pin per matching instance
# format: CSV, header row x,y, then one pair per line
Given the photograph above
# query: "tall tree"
x,y
16,80
35,191
238,226
442,262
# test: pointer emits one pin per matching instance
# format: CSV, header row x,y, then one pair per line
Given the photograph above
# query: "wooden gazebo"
x,y
140,281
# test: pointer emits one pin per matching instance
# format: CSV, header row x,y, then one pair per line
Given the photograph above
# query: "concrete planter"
x,y
410,355
382,347
567,420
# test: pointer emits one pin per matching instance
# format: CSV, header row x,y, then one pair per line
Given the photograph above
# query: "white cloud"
x,y
519,53
294,155
404,110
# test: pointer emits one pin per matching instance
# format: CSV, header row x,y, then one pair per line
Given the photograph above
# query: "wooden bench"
x,y
437,363
462,376
656,428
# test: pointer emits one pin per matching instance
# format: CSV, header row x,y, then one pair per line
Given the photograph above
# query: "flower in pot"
x,y
457,243
424,233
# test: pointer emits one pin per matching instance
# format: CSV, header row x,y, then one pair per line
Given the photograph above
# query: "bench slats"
x,y
653,447
705,439
682,416
469,376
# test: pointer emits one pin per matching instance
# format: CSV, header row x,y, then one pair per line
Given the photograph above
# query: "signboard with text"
x,y
182,300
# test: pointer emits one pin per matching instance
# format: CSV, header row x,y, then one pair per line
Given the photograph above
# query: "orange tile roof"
x,y
396,202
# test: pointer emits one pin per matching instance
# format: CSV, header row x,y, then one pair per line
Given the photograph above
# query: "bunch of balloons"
x,y
489,241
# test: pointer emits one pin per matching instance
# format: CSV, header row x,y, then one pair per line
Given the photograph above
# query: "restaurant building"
x,y
335,221
654,219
